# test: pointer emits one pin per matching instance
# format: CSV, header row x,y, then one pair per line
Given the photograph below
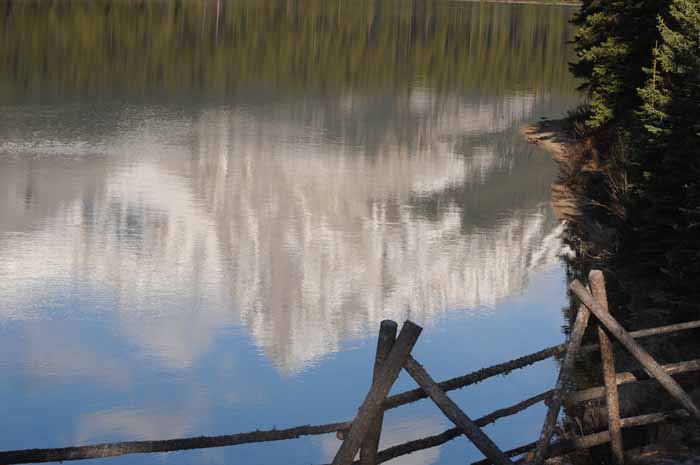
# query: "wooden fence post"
x,y
370,447
607,356
377,393
647,361
455,414
558,397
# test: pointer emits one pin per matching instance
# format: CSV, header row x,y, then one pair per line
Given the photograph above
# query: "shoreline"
x,y
550,135
570,193
553,137
570,202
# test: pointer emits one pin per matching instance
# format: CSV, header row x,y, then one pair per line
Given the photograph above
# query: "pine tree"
x,y
613,44
668,227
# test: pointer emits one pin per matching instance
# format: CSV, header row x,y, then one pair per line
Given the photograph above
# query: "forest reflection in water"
x,y
135,47
193,219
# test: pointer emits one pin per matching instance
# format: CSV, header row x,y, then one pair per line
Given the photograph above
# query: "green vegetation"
x,y
668,216
141,47
613,44
638,166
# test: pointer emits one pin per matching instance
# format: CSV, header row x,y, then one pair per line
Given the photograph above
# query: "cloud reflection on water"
x,y
295,220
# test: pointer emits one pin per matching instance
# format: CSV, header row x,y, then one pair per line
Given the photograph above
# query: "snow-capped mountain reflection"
x,y
306,222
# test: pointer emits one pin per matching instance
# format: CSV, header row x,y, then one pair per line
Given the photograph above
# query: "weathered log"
x,y
170,445
370,446
564,375
644,333
513,409
416,445
397,400
665,329
568,445
631,377
478,376
607,356
637,351
116,449
455,414
372,404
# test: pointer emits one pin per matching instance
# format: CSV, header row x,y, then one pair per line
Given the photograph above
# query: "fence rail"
x,y
394,354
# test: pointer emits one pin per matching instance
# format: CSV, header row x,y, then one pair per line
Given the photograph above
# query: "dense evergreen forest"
x,y
637,169
222,47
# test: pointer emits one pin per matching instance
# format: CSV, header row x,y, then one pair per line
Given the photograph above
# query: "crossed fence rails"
x,y
394,354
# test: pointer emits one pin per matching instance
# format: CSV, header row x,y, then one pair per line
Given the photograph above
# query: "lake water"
x,y
206,209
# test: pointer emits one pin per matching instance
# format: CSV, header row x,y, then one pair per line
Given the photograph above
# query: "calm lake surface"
x,y
206,209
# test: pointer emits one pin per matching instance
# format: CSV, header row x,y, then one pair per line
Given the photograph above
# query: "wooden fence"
x,y
393,354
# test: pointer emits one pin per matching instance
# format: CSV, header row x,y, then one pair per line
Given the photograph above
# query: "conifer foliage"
x,y
669,157
639,61
614,40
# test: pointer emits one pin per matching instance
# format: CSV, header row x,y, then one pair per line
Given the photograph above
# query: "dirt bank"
x,y
551,135
555,137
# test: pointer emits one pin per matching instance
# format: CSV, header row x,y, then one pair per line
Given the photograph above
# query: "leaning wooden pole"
x,y
455,414
403,398
370,447
439,439
564,375
372,404
635,349
597,281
